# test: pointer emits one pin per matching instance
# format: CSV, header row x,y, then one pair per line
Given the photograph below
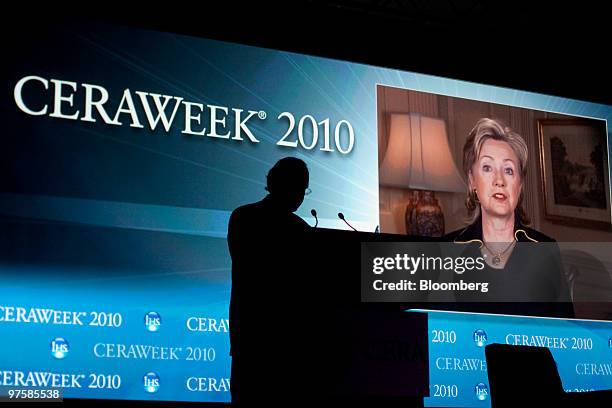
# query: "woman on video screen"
x,y
521,264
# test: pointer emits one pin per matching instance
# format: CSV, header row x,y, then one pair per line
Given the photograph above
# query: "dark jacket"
x,y
532,282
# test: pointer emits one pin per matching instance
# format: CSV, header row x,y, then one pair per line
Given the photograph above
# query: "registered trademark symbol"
x,y
262,115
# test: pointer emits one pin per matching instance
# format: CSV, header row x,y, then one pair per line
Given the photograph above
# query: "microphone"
x,y
341,216
314,214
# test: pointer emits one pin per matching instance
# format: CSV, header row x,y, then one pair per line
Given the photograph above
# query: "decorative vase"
x,y
429,219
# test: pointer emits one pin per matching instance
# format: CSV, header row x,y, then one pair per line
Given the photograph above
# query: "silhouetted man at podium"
x,y
263,240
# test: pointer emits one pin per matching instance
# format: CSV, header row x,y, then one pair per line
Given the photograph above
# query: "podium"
x,y
379,352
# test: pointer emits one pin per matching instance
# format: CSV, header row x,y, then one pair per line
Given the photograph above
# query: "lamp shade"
x,y
418,155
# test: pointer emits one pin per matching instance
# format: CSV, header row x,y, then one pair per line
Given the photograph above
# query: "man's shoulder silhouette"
x,y
264,219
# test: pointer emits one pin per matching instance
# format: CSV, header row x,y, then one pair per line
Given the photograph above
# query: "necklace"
x,y
497,257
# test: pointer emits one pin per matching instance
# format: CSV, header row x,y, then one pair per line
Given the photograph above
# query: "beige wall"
x,y
460,116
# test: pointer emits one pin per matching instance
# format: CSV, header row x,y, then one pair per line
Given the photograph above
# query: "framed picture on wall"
x,y
575,172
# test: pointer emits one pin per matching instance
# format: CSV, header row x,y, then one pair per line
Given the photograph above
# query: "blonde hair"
x,y
484,130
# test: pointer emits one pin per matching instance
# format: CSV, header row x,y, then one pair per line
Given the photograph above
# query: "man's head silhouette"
x,y
287,182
